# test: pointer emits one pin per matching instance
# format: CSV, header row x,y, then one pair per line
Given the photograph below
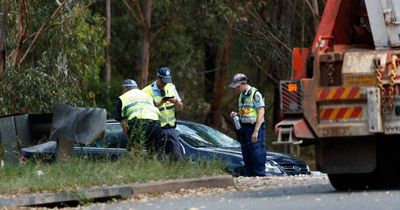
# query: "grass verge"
x,y
82,172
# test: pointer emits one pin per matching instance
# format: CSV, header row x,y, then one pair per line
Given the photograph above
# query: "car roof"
x,y
188,122
112,121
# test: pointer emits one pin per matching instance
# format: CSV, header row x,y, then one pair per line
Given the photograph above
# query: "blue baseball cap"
x,y
238,79
164,73
129,83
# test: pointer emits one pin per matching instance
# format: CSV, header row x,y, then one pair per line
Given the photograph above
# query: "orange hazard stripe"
x,y
324,94
340,113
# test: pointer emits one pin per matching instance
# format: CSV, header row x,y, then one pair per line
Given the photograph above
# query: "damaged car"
x,y
198,142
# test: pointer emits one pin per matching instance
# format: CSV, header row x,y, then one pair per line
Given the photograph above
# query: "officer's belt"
x,y
136,120
249,124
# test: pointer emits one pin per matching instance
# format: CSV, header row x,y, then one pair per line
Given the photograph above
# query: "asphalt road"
x,y
308,193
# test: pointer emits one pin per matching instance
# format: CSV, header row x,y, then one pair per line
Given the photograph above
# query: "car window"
x,y
113,137
212,136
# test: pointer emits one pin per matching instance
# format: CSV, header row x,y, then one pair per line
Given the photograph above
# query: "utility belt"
x,y
168,126
136,121
250,124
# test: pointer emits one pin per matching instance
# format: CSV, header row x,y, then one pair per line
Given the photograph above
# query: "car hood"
x,y
280,158
284,159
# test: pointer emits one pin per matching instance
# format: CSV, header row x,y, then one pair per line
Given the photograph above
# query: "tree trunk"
x,y
303,23
210,65
22,22
108,48
3,35
216,113
146,44
145,60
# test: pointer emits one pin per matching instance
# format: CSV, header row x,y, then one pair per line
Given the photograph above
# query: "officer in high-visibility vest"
x,y
166,98
252,131
137,113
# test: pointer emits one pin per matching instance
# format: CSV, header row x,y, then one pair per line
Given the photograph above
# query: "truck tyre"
x,y
388,172
345,182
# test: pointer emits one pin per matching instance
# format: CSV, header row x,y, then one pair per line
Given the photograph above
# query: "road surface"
x,y
286,193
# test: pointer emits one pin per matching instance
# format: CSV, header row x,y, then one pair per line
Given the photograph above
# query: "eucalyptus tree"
x,y
269,30
260,45
56,51
3,34
164,14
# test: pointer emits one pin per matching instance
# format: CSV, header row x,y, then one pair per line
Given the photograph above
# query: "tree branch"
x,y
132,12
261,25
310,7
260,67
22,18
41,29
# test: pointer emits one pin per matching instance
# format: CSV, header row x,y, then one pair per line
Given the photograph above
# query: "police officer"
x,y
252,131
166,98
137,113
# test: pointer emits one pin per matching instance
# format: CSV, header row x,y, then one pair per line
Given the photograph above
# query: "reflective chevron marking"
x,y
336,93
340,113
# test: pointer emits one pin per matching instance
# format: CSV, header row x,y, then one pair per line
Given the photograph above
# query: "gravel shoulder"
x,y
240,184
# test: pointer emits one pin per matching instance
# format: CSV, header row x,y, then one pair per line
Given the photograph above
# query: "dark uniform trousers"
x,y
170,140
254,155
152,133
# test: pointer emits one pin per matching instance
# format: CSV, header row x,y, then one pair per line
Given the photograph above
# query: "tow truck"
x,y
344,94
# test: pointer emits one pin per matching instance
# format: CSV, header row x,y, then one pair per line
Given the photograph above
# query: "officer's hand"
x,y
254,137
160,103
172,100
233,114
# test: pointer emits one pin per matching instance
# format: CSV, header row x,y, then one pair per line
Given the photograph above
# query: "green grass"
x,y
80,172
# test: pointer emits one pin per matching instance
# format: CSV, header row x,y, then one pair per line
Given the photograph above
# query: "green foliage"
x,y
205,20
84,44
175,47
137,139
1,151
72,47
102,97
67,56
125,42
37,89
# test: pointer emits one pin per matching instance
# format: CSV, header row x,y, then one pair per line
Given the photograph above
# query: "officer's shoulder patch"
x,y
257,98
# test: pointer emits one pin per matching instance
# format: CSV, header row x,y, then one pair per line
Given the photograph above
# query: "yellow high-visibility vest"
x,y
137,104
247,110
167,110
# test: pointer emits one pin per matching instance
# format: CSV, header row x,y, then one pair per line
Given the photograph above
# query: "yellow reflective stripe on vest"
x,y
167,110
142,111
136,103
127,108
247,110
167,120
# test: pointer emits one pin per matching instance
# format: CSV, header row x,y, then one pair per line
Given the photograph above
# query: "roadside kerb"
x,y
115,191
172,185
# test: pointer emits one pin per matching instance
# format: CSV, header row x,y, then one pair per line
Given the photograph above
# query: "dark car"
x,y
216,145
203,137
195,145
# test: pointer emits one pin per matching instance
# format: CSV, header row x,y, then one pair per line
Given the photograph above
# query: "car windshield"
x,y
199,135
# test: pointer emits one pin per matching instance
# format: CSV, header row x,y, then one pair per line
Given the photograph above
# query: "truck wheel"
x,y
389,178
388,172
344,182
